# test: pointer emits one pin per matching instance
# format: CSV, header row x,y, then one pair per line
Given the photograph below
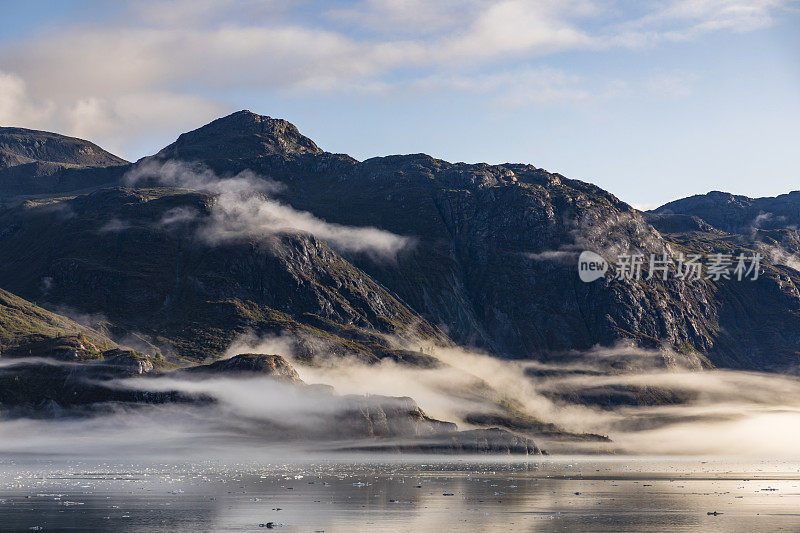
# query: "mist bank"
x,y
621,400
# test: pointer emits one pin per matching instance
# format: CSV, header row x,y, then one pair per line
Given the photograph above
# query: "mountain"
x,y
35,162
484,235
53,368
240,135
26,328
493,263
110,252
739,214
245,234
769,223
244,225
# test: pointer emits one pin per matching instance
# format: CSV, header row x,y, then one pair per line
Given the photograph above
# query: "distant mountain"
x,y
35,162
478,255
739,214
242,135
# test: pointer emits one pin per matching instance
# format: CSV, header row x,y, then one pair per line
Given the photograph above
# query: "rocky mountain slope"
x,y
26,328
739,214
35,162
64,384
246,225
491,262
110,253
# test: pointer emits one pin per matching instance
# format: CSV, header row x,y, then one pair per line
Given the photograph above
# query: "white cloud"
x,y
243,210
406,17
16,106
110,121
514,88
709,15
681,20
155,69
515,27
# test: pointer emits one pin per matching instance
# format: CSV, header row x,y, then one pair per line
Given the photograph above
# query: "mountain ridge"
x,y
491,268
40,162
20,146
739,213
240,134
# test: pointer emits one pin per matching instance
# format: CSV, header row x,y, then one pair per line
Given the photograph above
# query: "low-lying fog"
x,y
708,412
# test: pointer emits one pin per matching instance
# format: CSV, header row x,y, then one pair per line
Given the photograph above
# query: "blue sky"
x,y
652,100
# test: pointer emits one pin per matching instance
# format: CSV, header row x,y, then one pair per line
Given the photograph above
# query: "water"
x,y
417,494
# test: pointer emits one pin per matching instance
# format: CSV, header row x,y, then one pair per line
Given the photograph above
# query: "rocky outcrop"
x,y
273,366
677,223
35,162
29,330
492,441
737,213
384,416
43,387
240,135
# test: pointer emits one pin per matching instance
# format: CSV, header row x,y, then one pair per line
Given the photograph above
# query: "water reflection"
x,y
572,494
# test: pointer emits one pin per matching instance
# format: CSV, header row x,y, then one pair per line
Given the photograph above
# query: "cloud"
x,y
243,209
684,20
516,88
558,256
233,217
779,256
16,105
515,27
114,225
712,15
405,17
164,66
114,121
178,215
700,411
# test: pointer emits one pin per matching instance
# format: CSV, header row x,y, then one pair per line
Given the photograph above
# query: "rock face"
x,y
51,363
492,265
29,330
759,319
240,135
493,441
739,214
33,162
274,366
46,387
384,416
677,223
108,252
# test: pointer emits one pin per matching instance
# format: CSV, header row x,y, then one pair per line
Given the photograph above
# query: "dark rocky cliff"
x,y
36,162
491,260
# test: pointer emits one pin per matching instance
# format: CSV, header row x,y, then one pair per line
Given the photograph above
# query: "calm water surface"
x,y
418,494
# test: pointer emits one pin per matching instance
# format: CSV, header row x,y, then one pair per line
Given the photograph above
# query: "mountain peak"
x,y
21,146
240,135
